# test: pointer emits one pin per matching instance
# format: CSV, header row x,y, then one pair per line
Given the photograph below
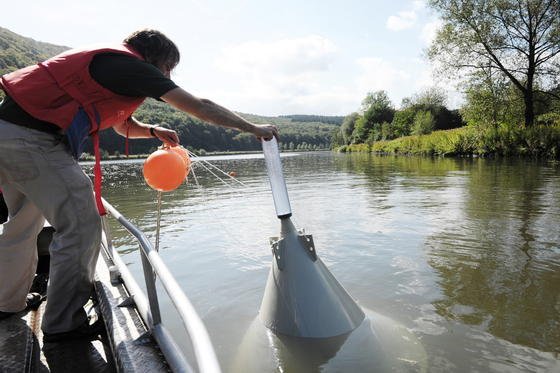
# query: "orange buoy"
x,y
184,153
232,173
164,170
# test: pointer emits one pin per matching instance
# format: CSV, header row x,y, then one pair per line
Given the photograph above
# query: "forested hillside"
x,y
17,51
298,132
203,137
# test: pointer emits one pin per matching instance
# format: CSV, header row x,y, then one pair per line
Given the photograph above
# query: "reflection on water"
x,y
501,269
464,253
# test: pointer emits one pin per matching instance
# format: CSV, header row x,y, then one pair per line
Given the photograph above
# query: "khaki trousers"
x,y
40,179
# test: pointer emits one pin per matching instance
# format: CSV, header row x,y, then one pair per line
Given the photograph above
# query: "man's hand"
x,y
265,131
169,137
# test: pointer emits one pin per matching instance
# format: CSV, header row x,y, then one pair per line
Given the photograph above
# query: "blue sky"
x,y
262,57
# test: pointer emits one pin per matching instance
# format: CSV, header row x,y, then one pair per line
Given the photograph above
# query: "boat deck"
x,y
125,347
22,349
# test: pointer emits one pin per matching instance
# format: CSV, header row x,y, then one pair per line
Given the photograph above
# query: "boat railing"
x,y
148,306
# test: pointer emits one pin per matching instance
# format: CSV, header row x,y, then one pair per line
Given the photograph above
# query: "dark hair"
x,y
155,47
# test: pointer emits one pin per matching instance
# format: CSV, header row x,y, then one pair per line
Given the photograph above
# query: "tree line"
x,y
378,120
315,118
202,137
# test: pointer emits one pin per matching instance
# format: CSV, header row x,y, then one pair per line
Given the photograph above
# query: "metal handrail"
x,y
148,309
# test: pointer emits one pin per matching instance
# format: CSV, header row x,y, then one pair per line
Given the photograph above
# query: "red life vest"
x,y
61,91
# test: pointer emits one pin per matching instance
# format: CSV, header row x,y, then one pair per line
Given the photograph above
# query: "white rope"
x,y
216,176
201,163
199,159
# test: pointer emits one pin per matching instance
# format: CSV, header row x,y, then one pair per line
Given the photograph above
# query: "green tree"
x,y
432,100
519,39
387,132
493,104
378,109
423,123
375,133
347,127
336,138
429,97
402,121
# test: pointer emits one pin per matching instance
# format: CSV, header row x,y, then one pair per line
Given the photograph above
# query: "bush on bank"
x,y
542,140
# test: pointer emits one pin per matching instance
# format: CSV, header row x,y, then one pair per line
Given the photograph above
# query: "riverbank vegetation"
x,y
537,141
505,56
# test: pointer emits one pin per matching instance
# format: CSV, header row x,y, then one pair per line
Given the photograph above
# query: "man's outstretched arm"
x,y
208,111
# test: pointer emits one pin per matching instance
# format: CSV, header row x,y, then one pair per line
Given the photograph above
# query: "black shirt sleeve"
x,y
129,76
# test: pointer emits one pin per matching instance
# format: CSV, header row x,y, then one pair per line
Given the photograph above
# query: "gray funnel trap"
x,y
302,298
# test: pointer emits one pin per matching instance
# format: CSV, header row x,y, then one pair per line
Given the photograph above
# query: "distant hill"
x,y
298,132
17,51
198,135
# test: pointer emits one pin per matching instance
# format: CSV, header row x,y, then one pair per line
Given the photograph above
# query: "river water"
x,y
463,254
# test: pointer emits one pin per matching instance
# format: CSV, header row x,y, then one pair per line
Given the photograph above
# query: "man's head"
x,y
156,48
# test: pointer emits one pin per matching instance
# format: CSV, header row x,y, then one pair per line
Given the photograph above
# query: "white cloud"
x,y
310,85
400,79
424,78
286,56
378,74
404,20
290,72
304,75
418,4
268,99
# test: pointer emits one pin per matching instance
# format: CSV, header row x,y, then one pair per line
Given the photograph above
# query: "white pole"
x,y
276,178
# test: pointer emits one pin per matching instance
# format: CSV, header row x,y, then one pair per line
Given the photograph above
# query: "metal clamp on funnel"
x,y
276,177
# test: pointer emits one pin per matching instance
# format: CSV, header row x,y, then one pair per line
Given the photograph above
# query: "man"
x,y
48,112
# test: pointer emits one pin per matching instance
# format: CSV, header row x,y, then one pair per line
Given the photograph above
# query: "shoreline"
x,y
206,154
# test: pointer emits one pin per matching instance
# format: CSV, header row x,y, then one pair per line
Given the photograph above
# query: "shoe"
x,y
32,302
83,332
40,283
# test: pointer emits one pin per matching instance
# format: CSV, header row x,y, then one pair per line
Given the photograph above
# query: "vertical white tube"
x,y
276,178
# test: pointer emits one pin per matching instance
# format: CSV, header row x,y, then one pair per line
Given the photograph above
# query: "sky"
x,y
259,56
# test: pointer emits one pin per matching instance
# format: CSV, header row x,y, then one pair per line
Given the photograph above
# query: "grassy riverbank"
x,y
539,141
